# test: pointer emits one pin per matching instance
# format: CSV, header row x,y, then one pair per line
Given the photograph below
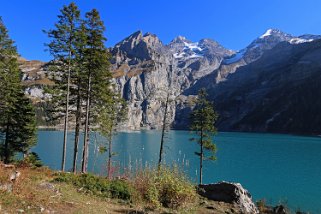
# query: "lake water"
x,y
278,168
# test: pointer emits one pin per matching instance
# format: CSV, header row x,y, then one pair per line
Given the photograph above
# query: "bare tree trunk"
x,y
95,153
163,134
109,158
201,159
66,118
86,137
77,130
6,144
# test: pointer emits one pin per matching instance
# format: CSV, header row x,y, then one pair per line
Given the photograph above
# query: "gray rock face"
x,y
232,193
145,70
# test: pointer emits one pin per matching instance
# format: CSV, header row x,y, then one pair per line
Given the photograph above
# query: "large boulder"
x,y
232,193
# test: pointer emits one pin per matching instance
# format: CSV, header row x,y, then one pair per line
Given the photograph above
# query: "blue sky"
x,y
233,23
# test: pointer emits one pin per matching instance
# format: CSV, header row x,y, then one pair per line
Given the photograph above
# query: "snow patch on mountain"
x,y
235,58
186,56
190,50
299,40
192,46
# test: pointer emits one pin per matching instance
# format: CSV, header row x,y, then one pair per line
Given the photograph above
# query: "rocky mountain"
x,y
277,93
259,88
145,70
251,53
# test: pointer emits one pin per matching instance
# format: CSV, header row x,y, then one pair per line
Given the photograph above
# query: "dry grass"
x,y
31,195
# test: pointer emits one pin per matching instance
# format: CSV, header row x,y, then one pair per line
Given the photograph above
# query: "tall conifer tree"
x,y
17,115
62,48
112,111
98,83
79,81
203,118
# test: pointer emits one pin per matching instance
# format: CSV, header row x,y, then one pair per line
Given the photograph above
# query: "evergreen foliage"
x,y
80,69
62,48
203,118
105,107
111,114
17,115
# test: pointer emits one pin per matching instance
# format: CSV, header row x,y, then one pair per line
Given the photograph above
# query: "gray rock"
x,y
232,193
280,210
47,185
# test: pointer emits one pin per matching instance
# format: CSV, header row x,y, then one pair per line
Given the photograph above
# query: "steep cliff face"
x,y
142,72
145,70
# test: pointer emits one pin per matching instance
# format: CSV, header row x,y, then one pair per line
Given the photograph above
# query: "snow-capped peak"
x,y
184,48
180,39
271,32
267,33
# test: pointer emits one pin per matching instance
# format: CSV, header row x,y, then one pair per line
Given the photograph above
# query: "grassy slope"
x,y
29,195
34,192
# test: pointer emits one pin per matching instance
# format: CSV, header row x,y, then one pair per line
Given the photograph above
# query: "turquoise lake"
x,y
278,168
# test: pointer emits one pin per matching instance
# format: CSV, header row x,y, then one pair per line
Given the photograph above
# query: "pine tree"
x,y
203,118
62,48
98,82
79,83
17,115
112,112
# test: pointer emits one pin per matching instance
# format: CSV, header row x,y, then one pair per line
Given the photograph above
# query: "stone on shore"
x,y
232,193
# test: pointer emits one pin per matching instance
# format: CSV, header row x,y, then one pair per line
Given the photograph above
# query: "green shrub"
x,y
167,187
31,160
98,185
120,189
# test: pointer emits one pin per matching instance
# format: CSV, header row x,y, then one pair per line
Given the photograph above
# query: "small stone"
x,y
42,209
47,185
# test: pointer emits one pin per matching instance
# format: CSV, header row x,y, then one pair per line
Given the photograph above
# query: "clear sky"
x,y
233,23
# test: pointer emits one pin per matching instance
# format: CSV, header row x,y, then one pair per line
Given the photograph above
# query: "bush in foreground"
x,y
166,187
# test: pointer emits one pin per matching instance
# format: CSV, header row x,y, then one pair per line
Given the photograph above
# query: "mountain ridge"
x,y
145,70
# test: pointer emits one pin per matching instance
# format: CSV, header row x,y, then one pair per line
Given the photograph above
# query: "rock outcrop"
x,y
232,193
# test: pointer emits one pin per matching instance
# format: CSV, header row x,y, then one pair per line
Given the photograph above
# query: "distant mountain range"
x,y
272,85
